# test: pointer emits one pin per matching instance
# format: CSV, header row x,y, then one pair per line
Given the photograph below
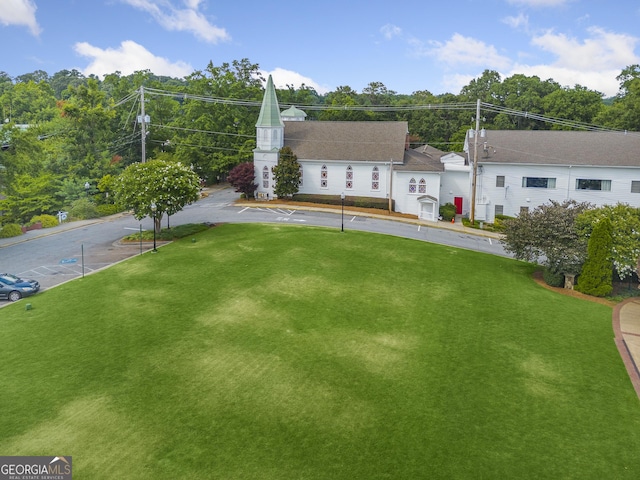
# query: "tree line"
x,y
66,137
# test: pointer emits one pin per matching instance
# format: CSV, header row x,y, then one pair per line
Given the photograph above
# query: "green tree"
x,y
87,132
156,187
242,178
597,272
578,104
214,137
548,235
286,174
29,196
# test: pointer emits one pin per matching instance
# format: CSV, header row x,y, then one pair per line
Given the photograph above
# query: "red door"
x,y
457,201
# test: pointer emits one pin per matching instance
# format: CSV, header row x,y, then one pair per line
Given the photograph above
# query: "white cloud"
x,y
461,50
593,62
20,12
521,20
128,58
603,50
282,78
189,19
389,31
455,82
603,81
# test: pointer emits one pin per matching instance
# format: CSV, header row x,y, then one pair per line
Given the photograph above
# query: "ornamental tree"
x,y
286,173
548,235
156,187
625,235
597,272
242,178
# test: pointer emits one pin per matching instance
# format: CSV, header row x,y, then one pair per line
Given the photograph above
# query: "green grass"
x,y
281,352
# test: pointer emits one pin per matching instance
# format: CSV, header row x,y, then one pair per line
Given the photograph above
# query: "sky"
x,y
407,45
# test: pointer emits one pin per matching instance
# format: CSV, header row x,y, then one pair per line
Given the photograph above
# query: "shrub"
x,y
47,221
361,202
597,273
552,278
10,230
83,208
447,211
108,209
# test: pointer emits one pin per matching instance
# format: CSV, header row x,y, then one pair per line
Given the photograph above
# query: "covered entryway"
x,y
428,208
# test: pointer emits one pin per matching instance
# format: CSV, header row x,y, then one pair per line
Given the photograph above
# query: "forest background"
x,y
65,137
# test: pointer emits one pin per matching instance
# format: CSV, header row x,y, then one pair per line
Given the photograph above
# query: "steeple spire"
x,y
270,110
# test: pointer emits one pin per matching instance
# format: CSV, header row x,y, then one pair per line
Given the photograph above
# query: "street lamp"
x,y
153,210
342,200
87,186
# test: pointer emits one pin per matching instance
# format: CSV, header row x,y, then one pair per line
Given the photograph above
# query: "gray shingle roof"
x,y
348,141
422,159
555,147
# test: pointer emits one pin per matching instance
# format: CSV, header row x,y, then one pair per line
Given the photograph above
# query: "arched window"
x,y
412,185
265,177
323,176
375,179
422,186
349,179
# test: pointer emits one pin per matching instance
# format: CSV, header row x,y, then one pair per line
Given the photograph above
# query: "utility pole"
x,y
143,125
391,185
474,179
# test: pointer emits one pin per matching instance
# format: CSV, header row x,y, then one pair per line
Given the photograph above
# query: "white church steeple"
x,y
269,141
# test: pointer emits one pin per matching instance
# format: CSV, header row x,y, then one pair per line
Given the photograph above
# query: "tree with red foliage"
x,y
242,177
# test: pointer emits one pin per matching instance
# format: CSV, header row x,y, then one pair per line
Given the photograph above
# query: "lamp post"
x,y
87,186
342,201
153,210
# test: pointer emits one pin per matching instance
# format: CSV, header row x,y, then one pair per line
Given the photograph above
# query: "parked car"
x,y
13,288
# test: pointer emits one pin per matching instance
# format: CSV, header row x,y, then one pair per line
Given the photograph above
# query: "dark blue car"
x,y
13,288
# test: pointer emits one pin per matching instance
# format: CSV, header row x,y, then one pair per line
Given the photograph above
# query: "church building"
x,y
357,159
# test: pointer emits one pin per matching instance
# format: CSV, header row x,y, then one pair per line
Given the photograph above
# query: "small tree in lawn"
x,y
286,173
597,273
548,235
156,187
242,178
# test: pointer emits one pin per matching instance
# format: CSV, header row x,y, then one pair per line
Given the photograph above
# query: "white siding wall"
x,y
337,179
406,202
513,195
260,160
456,182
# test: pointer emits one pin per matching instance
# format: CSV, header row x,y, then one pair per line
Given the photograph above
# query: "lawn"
x,y
287,352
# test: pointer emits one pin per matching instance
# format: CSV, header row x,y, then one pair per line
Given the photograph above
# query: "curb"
x,y
627,358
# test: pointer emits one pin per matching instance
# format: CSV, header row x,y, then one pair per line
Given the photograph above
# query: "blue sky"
x,y
407,45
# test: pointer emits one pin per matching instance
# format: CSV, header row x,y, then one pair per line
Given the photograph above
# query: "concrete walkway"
x,y
626,327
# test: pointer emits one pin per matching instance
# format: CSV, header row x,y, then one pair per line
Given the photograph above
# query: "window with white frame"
x,y
500,181
538,182
265,177
323,176
375,179
349,178
498,210
524,210
635,186
412,185
422,186
592,184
